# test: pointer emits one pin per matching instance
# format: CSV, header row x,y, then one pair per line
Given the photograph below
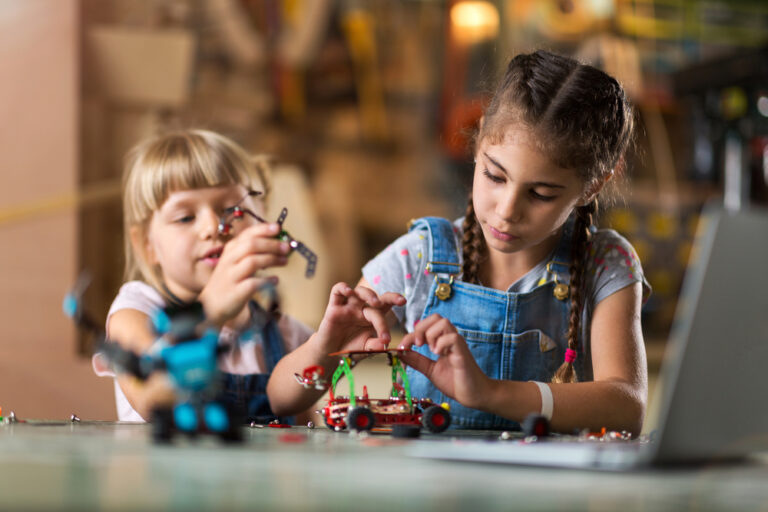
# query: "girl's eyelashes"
x,y
493,177
184,219
541,197
535,195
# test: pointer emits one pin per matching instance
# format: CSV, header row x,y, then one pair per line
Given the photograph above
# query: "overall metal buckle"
x,y
561,291
443,291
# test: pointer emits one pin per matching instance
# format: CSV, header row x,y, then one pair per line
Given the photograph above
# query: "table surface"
x,y
46,465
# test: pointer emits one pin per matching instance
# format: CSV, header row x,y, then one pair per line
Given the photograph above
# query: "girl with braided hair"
x,y
523,305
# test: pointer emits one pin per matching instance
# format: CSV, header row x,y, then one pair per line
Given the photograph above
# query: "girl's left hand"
x,y
356,319
455,371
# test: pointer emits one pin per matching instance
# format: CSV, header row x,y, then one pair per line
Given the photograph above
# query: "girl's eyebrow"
x,y
535,183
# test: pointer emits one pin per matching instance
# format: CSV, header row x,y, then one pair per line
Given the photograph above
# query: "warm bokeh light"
x,y
474,21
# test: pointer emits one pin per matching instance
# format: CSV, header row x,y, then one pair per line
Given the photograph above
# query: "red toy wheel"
x,y
436,419
536,425
360,418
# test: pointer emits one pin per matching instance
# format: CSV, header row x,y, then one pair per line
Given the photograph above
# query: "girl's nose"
x,y
510,205
209,225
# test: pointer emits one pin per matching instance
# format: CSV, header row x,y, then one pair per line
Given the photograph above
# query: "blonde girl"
x,y
176,188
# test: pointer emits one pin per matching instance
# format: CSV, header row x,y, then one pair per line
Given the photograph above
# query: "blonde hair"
x,y
174,161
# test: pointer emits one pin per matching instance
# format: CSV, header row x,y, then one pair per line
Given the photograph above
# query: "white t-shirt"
x,y
244,357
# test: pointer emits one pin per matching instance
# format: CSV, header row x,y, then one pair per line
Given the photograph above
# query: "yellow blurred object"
x,y
643,249
662,282
662,225
106,191
292,98
734,102
623,220
358,27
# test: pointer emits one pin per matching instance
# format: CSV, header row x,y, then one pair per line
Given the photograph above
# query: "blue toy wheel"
x,y
185,416
216,417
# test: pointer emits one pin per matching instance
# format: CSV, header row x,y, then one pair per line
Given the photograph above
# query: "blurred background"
x,y
368,107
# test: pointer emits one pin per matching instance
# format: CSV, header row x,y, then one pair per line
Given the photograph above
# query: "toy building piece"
x,y
536,425
187,350
363,413
11,418
190,358
239,212
312,377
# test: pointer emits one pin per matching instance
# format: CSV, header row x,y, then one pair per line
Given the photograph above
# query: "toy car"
x,y
363,413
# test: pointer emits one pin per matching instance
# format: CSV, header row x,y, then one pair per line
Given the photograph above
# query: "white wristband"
x,y
547,402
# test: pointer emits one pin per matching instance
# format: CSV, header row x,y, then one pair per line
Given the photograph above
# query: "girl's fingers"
x,y
368,296
438,328
256,240
421,327
445,344
251,264
261,229
417,361
339,294
408,341
392,299
376,344
378,321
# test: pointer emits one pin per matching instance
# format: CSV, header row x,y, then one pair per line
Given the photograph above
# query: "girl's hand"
x,y
234,280
455,371
145,396
355,319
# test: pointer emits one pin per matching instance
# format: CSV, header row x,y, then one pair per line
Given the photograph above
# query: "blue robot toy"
x,y
188,351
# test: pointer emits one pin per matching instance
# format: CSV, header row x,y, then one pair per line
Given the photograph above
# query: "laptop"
x,y
711,393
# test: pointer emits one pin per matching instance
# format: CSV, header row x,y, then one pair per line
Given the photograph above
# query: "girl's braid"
x,y
472,246
579,250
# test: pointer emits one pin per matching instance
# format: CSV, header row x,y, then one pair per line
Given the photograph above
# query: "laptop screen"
x,y
713,388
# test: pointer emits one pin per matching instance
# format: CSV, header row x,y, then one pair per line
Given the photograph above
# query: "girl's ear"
x,y
141,245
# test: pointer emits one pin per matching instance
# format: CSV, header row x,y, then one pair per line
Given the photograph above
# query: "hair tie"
x,y
570,355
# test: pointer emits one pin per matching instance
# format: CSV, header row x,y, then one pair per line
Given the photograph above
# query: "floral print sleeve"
x,y
612,265
401,268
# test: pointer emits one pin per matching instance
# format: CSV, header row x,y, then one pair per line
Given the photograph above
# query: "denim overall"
x,y
513,336
247,394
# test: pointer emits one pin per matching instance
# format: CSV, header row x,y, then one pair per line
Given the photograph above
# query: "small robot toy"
x,y
188,352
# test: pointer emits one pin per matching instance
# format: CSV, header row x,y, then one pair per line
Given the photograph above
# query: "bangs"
x,y
184,161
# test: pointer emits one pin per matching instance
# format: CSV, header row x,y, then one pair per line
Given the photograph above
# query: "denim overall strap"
x,y
443,254
560,264
248,393
512,336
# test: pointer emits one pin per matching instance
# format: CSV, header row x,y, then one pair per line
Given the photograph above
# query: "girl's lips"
x,y
212,257
211,260
500,235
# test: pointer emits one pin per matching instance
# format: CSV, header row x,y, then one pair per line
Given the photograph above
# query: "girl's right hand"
x,y
234,280
455,371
